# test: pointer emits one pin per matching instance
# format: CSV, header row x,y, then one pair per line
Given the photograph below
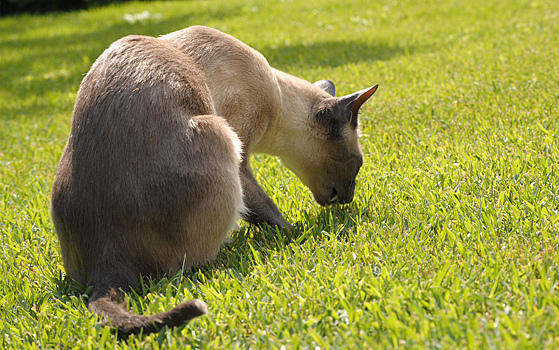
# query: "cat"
x,y
156,170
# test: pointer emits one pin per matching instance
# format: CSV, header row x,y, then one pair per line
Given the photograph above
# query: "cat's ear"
x,y
334,114
327,86
352,102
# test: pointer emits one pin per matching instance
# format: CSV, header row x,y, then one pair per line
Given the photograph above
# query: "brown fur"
x,y
151,180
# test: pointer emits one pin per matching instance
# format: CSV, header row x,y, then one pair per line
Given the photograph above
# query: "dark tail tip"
x,y
114,313
181,313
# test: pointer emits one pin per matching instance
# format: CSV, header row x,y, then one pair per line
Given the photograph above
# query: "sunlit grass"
x,y
451,241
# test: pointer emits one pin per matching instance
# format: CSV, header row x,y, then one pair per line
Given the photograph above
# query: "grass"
x,y
451,242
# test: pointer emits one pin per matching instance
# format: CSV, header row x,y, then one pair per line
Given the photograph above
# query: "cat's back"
x,y
243,86
137,72
130,124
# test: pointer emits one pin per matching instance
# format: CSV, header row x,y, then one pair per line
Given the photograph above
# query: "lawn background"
x,y
451,241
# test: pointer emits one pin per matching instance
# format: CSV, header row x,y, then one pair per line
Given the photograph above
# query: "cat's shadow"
x,y
238,254
248,246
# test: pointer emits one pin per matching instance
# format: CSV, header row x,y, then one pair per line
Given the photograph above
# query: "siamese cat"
x,y
156,169
312,132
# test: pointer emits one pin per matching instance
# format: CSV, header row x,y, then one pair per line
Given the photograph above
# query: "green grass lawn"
x,y
451,242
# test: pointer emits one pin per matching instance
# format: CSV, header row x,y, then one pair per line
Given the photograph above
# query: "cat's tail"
x,y
107,303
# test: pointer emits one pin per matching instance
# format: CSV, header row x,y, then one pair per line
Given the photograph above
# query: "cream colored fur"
x,y
272,112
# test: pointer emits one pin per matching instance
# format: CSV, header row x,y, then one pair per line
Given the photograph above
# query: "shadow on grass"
x,y
54,64
336,222
69,56
236,258
332,53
